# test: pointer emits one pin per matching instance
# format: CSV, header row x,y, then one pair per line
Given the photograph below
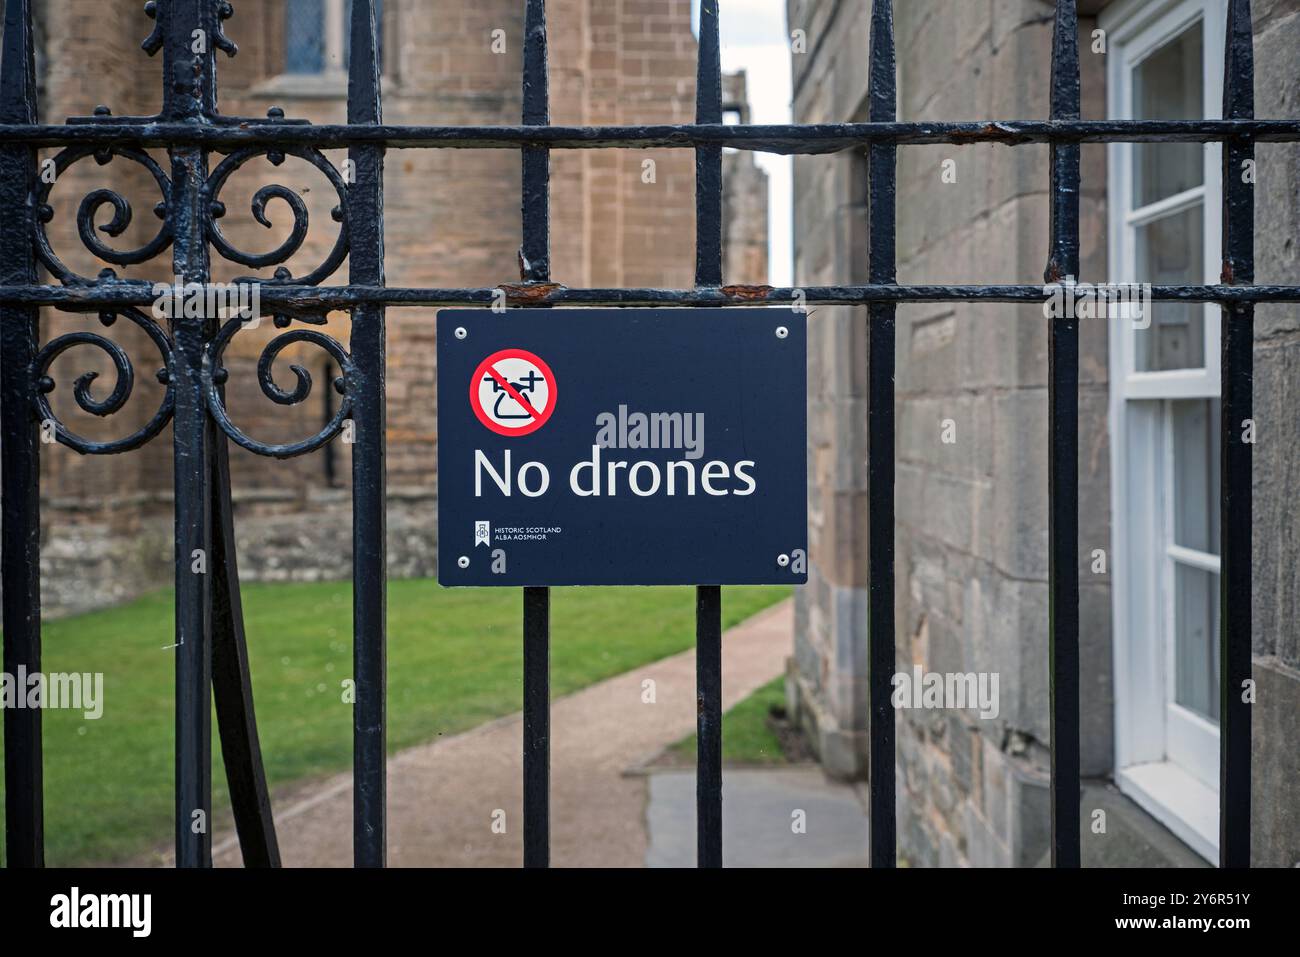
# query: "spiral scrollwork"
x,y
90,206
122,386
293,242
215,375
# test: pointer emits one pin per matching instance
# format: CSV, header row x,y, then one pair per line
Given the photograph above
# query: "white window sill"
x,y
1178,801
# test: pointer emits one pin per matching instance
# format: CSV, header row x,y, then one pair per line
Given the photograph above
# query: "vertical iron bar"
x,y
190,96
708,725
232,683
708,598
882,198
1063,463
537,727
369,481
708,159
1237,377
20,544
535,256
535,266
1064,454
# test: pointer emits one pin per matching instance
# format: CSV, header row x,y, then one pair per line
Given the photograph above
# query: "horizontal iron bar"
x,y
812,138
309,300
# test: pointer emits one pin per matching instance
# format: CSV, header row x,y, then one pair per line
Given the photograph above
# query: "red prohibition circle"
x,y
539,418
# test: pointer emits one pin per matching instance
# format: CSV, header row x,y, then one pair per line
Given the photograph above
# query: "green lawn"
x,y
454,661
746,737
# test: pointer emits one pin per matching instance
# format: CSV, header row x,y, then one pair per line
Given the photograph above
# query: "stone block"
x,y
947,655
1020,455
1276,542
950,434
1275,766
995,785
983,847
927,349
959,750
1029,814
1006,632
843,754
950,854
1094,482
1267,14
916,837
1096,681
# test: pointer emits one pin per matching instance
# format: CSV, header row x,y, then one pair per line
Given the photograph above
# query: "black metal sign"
x,y
604,447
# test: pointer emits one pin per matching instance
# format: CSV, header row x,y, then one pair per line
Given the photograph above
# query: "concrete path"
x,y
759,808
442,796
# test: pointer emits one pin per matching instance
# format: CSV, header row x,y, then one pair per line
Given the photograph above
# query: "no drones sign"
x,y
512,392
619,446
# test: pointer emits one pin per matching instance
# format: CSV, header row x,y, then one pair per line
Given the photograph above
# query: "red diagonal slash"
x,y
534,418
513,392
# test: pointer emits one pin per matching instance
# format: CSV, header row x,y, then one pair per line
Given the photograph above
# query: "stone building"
x,y
971,445
452,220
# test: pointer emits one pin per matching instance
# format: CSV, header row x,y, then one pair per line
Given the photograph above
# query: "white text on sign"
x,y
644,478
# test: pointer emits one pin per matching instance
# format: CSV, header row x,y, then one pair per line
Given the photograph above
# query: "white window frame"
x,y
1149,725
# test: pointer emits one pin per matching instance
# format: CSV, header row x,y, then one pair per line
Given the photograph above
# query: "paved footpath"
x,y
442,795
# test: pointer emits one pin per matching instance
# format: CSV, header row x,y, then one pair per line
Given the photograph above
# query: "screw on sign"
x,y
513,392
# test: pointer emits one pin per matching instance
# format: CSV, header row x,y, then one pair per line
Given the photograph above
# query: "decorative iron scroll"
x,y
116,399
216,210
215,376
212,209
91,204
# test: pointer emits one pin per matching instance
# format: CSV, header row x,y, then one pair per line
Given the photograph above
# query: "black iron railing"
x,y
211,651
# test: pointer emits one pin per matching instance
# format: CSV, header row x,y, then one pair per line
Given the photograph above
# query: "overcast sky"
x,y
754,39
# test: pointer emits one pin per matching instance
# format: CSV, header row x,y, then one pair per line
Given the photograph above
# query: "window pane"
x,y
1167,85
304,32
1196,650
1170,251
1196,474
